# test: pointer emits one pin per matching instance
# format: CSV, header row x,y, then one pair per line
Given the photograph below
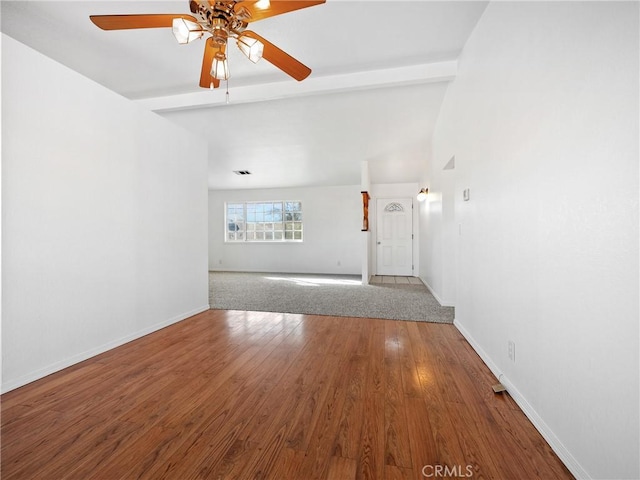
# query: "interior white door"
x,y
394,236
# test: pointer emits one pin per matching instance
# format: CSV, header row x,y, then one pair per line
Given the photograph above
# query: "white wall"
x,y
332,219
543,122
104,214
438,268
365,242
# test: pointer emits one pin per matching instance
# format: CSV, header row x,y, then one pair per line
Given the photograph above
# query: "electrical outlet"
x,y
512,351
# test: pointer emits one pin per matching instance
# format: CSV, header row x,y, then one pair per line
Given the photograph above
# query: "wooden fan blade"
x,y
124,22
276,7
210,49
280,58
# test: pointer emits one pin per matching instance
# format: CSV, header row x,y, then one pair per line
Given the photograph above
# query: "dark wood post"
x,y
365,208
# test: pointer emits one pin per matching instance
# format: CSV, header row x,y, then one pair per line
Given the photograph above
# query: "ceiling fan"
x,y
224,20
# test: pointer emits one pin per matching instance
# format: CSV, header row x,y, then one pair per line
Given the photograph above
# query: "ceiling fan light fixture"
x,y
251,47
220,67
220,30
243,14
223,20
186,31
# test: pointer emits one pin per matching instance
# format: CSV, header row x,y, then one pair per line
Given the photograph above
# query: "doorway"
x,y
394,236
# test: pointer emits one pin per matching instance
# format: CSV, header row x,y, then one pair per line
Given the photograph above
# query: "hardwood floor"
x,y
266,395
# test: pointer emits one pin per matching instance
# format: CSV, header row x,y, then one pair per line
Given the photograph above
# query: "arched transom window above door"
x,y
394,207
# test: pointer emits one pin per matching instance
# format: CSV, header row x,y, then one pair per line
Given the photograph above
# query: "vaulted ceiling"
x,y
379,74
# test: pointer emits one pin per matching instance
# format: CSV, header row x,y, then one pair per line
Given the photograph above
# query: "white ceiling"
x,y
379,75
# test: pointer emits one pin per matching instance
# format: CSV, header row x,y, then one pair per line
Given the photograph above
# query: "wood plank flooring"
x,y
395,279
247,395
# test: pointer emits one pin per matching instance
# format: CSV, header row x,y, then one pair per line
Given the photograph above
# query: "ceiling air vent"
x,y
242,172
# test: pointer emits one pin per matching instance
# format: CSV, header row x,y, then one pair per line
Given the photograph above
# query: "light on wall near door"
x,y
422,194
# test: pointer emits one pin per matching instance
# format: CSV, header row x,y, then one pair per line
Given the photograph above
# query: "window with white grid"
x,y
273,221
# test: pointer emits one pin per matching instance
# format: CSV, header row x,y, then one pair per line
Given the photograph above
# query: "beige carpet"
x,y
337,295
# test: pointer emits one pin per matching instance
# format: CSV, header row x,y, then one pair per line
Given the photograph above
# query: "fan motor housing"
x,y
220,16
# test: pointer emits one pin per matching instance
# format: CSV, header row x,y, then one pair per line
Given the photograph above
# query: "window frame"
x,y
255,220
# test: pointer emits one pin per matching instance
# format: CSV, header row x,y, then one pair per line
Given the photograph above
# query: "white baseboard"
x,y
280,272
435,295
556,445
67,362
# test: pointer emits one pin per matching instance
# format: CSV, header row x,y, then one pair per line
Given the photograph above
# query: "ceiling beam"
x,y
414,74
